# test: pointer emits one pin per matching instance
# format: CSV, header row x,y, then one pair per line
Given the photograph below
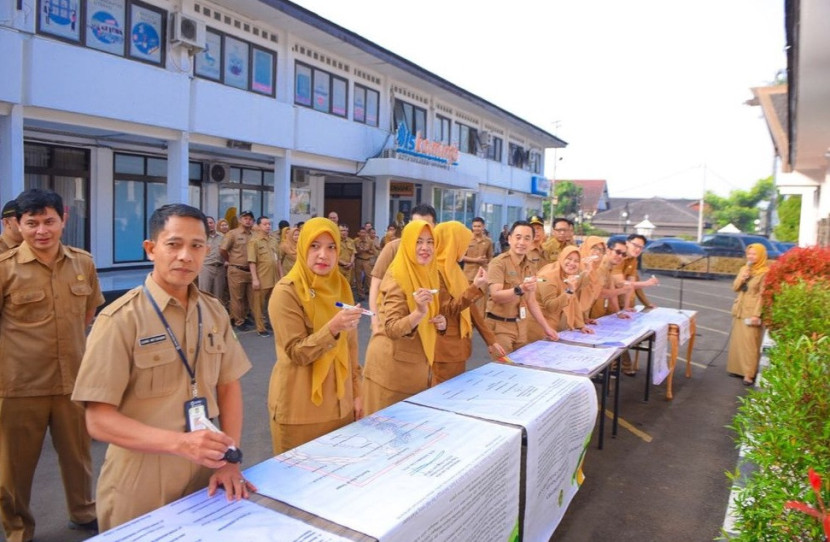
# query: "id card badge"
x,y
522,313
194,411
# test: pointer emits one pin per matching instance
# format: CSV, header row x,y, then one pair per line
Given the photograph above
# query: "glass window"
x,y
263,74
60,19
302,85
467,139
236,63
414,118
339,96
268,179
495,149
366,105
147,30
359,104
157,167
372,105
228,197
209,61
252,176
195,172
105,25
454,205
129,223
129,163
442,132
322,89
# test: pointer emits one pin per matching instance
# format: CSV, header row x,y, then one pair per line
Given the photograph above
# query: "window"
x,y
139,188
366,103
467,138
442,132
413,117
237,63
491,213
320,90
517,156
247,189
105,25
535,162
494,150
454,205
514,213
64,170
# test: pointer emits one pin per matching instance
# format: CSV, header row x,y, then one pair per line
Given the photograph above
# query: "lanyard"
x,y
191,372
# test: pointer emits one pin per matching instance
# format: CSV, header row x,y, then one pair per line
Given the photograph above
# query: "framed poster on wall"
x,y
105,25
60,18
147,33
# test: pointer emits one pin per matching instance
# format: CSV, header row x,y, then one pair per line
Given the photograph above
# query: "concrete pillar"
x,y
178,169
382,218
282,188
808,227
11,154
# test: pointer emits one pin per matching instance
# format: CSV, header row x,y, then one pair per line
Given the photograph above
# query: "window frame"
x,y
415,113
367,92
317,87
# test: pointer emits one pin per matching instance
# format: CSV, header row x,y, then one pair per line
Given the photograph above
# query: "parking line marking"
x,y
722,332
685,303
637,433
696,364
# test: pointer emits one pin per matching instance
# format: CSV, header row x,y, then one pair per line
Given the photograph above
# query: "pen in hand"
x,y
364,312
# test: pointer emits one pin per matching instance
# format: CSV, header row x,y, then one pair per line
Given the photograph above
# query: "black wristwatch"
x,y
518,291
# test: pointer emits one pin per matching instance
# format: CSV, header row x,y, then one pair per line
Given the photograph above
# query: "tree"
x,y
568,198
789,216
740,208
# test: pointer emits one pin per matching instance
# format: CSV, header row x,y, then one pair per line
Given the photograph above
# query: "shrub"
x,y
785,426
806,264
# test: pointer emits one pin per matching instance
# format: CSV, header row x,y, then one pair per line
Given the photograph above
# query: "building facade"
x,y
231,105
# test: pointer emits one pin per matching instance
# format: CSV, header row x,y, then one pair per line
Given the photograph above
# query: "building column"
x,y
11,154
178,169
282,188
382,218
808,226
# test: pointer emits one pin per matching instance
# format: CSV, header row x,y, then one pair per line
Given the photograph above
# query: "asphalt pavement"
x,y
661,479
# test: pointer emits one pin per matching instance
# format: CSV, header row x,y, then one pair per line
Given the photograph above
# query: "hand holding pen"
x,y
346,319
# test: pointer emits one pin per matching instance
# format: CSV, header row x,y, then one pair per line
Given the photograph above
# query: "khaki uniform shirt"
x,y
298,346
476,249
213,256
387,254
450,346
501,271
347,253
264,251
552,247
628,268
42,320
236,243
131,363
365,250
536,259
6,242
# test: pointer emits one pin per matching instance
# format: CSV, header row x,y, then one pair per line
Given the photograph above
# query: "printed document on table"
x,y
609,331
566,358
558,413
680,318
199,518
406,473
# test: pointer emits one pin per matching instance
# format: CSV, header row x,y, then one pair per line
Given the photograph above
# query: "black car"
x,y
727,251
784,246
677,257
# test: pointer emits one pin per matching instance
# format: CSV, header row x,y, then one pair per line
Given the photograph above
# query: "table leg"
x,y
692,333
604,392
674,332
649,368
618,373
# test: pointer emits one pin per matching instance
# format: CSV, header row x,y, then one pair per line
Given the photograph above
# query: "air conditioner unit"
x,y
485,138
218,173
187,31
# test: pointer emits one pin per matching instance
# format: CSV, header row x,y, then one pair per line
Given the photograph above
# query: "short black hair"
x,y
614,242
424,209
523,223
35,201
10,209
284,224
563,219
637,236
478,219
342,225
300,224
160,216
260,219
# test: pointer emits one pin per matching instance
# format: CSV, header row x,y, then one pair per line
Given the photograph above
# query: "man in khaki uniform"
x,y
213,278
478,255
563,234
535,254
234,250
48,296
263,254
347,254
11,230
365,252
161,359
511,276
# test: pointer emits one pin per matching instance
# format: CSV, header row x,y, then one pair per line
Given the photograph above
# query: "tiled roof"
x,y
594,194
659,211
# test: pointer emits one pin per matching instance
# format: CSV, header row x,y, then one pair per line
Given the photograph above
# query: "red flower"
x,y
820,513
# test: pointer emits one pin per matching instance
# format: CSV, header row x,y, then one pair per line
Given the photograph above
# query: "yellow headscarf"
x,y
410,276
319,293
592,285
553,273
760,266
451,242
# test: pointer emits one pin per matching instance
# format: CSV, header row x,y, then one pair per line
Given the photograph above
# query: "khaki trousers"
x,y
510,335
363,276
285,436
241,293
23,425
213,279
259,305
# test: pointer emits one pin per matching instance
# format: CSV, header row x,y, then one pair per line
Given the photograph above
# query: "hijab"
x,y
553,272
593,285
451,242
318,294
410,276
760,266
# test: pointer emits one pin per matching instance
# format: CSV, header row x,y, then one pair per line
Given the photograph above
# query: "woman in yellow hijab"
x,y
558,295
288,248
315,382
457,298
590,254
747,330
402,349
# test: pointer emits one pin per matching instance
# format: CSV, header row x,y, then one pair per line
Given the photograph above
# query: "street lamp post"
x,y
625,221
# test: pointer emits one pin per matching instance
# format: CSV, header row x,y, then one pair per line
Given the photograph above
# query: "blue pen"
x,y
365,312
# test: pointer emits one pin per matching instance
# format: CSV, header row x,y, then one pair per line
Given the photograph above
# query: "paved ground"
x,y
661,479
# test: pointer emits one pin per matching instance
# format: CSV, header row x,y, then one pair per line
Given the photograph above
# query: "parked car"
x,y
727,251
784,246
677,257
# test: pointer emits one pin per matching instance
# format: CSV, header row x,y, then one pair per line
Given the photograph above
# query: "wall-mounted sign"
x,y
417,146
539,186
401,189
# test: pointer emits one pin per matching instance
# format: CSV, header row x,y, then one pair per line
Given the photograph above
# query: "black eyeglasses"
x,y
620,252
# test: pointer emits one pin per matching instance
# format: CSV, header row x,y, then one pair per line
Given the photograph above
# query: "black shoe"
x,y
91,526
244,326
263,333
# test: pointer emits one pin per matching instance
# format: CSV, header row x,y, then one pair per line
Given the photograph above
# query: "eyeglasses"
x,y
641,247
560,230
620,252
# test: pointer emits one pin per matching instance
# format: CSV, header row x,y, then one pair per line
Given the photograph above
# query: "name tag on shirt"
x,y
152,340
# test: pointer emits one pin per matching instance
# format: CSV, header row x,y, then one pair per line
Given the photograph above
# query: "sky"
x,y
648,94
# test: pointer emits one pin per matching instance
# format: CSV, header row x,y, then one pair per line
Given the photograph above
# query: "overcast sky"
x,y
645,92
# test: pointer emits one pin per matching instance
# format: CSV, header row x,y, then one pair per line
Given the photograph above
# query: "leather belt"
x,y
242,267
501,318
364,259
